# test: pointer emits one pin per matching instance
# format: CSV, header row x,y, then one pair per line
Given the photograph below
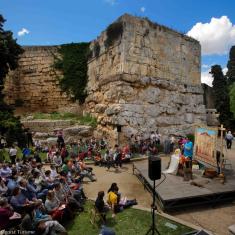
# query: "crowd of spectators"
x,y
38,198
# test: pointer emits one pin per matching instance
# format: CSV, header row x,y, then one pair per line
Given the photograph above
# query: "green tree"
x,y
221,96
10,126
232,99
231,66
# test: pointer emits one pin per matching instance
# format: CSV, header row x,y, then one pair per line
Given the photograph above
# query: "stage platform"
x,y
175,193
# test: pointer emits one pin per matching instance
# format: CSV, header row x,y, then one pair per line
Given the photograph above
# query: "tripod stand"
x,y
153,227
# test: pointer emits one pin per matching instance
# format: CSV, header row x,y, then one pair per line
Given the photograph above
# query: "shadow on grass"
x,y
129,222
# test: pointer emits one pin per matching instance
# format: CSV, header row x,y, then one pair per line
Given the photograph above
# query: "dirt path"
x,y
128,184
216,219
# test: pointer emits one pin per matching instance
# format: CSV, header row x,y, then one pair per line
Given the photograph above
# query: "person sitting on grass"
x,y
70,202
5,171
55,208
115,201
20,203
3,188
49,181
51,227
34,191
40,214
54,174
98,159
57,160
74,191
101,206
8,218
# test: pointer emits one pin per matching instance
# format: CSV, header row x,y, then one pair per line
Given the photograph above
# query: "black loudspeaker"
x,y
119,128
154,168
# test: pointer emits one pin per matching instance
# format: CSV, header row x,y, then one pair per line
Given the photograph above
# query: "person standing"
x,y
12,154
188,154
229,138
157,137
172,144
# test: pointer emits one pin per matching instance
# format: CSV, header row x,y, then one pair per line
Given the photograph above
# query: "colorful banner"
x,y
205,145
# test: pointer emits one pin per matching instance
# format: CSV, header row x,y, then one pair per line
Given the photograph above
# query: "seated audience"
x,y
100,205
8,218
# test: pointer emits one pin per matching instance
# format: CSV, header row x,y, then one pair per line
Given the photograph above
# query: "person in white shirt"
x,y
153,137
57,160
5,171
229,138
12,154
54,173
157,137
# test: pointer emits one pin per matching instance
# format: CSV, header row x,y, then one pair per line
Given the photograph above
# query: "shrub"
x,y
191,137
87,119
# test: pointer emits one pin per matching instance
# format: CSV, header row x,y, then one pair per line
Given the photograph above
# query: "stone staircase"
x,y
46,130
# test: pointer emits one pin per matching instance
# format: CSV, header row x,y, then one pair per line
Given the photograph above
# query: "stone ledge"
x,y
231,229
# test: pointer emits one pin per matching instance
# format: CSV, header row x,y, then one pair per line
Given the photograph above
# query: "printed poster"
x,y
205,145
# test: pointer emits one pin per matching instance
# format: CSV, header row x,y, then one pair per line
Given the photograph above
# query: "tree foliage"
x,y
10,126
221,96
232,99
231,66
73,64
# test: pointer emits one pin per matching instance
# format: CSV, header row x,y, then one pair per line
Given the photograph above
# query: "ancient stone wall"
x,y
34,85
148,80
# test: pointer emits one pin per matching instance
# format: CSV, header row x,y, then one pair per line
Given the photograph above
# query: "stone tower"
x,y
147,80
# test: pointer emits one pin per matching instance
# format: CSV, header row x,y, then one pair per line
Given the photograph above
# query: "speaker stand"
x,y
153,228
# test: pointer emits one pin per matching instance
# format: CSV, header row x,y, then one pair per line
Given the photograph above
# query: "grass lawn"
x,y
5,156
129,222
80,119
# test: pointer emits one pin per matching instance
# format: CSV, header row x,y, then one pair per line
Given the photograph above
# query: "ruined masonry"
x,y
148,80
34,85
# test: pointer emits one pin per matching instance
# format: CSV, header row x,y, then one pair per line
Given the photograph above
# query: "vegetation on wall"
x,y
231,79
114,32
10,126
73,64
232,99
231,66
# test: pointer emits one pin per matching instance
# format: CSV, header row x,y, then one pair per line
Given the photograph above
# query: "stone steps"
x,y
46,130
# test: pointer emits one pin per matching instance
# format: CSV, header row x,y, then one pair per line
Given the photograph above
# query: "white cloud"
x,y
205,66
216,37
207,78
142,9
111,2
23,31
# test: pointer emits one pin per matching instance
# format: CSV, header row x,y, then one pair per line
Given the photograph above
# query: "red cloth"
x,y
81,156
5,214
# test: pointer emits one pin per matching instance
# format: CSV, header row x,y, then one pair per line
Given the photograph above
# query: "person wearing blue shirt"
x,y
188,154
188,149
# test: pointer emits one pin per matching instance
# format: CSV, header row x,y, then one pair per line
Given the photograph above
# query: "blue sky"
x,y
53,22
